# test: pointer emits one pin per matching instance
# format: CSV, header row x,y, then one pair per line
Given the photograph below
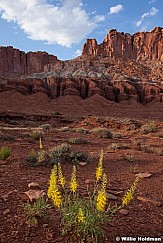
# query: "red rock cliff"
x,y
119,45
15,61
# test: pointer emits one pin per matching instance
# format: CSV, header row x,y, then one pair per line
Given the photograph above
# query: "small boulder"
x,y
111,196
123,211
34,194
34,186
143,175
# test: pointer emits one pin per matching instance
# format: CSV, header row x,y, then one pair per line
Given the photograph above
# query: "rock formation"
x,y
143,45
123,67
15,61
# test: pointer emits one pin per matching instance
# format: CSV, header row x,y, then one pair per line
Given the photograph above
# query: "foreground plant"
x,y
35,210
84,216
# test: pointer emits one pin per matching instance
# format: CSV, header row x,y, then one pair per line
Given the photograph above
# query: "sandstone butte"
x,y
123,67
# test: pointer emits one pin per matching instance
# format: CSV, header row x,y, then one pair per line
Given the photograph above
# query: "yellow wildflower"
x,y
101,197
104,182
81,217
73,183
53,191
101,200
56,197
61,178
40,143
130,193
99,168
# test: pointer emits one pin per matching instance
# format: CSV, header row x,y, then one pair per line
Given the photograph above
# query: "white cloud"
x,y
152,12
116,9
77,53
152,1
65,23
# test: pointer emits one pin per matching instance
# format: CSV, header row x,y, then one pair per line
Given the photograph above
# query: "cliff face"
x,y
123,67
15,61
143,45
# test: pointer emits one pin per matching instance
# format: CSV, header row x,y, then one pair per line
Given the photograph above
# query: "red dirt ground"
x,y
143,218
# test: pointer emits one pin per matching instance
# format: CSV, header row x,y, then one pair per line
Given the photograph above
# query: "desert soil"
x,y
144,217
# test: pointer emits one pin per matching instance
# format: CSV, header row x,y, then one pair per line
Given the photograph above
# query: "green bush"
x,y
77,156
5,152
36,210
77,141
32,158
59,153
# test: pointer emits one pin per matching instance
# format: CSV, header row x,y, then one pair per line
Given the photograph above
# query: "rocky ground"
x,y
135,147
116,86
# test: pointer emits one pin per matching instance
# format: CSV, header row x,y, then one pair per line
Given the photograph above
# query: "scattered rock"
x,y
3,162
89,181
6,212
123,211
115,192
82,163
5,197
152,201
111,196
34,194
34,186
143,175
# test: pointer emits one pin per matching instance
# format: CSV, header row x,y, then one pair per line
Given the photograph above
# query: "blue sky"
x,y
61,27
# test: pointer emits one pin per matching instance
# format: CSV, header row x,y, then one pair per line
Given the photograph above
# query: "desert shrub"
x,y
148,128
5,152
160,135
76,140
102,132
84,216
158,151
117,135
36,135
130,158
32,158
115,146
136,144
81,130
56,114
78,156
147,148
64,129
36,210
46,126
58,153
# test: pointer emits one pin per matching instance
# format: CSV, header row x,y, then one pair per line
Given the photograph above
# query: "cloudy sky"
x,y
61,27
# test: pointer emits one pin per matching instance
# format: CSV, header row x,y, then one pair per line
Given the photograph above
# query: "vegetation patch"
x,y
5,152
149,128
84,216
36,135
76,140
81,130
102,132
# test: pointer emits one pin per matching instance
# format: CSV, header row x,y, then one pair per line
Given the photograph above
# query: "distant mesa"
x,y
123,68
135,47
